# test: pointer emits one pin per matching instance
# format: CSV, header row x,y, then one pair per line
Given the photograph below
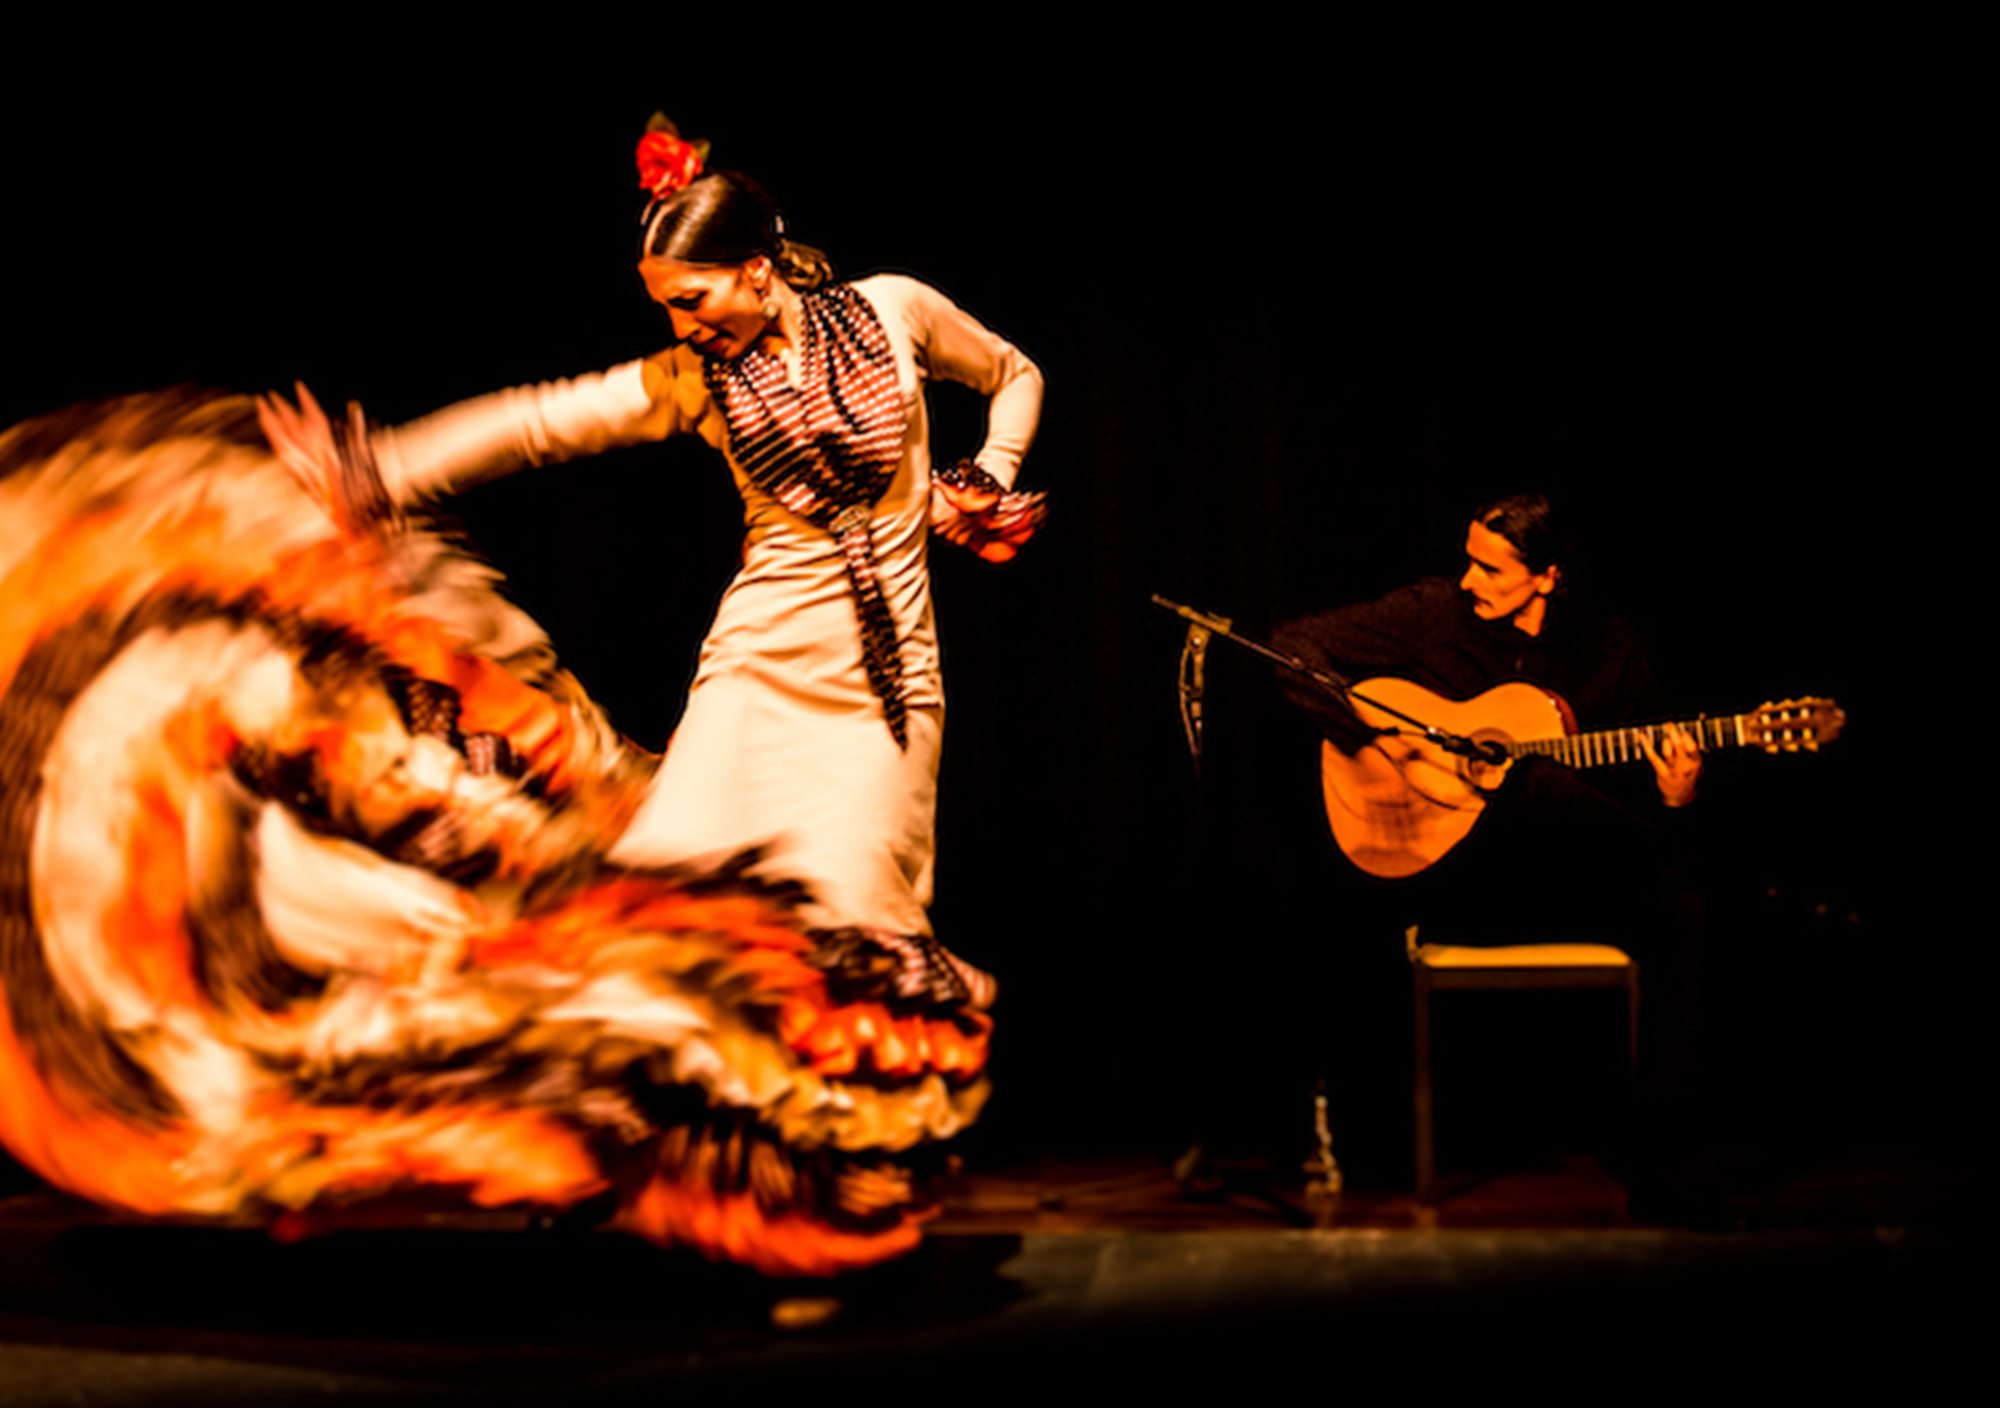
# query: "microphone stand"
x,y
1331,681
1193,685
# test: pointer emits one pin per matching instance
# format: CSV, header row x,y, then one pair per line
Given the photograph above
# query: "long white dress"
x,y
784,743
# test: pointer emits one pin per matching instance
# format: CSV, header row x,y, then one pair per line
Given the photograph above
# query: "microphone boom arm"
x,y
1333,682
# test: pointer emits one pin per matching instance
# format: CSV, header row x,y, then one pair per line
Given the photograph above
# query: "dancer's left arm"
x,y
951,344
974,510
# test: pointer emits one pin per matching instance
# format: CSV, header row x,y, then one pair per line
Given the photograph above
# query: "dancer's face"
x,y
717,309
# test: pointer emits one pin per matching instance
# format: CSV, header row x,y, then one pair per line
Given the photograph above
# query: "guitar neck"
x,y
1610,746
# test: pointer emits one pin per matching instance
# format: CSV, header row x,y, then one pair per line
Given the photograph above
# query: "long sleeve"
x,y
1369,638
951,344
533,425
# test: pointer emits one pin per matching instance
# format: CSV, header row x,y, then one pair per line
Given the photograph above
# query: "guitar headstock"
x,y
1793,725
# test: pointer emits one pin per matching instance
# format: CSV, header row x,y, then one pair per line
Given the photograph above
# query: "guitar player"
x,y
1507,618
1554,856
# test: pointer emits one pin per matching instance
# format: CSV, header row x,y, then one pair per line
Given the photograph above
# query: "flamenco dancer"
x,y
321,888
815,718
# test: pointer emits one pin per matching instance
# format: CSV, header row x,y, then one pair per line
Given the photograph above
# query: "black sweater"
x,y
1427,633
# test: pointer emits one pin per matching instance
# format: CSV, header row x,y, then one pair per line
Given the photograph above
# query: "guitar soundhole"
x,y
1485,776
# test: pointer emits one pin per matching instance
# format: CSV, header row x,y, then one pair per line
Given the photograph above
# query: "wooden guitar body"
x,y
1401,802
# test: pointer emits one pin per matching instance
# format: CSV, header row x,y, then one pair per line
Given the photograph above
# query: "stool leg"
x,y
1426,1150
1632,1024
1630,1133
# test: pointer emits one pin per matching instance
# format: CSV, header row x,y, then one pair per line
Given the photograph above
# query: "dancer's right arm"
x,y
555,420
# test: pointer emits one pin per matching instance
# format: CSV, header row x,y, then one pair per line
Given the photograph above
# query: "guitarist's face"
x,y
1502,587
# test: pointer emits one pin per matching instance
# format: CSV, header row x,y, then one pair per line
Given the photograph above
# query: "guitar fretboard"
x,y
1605,747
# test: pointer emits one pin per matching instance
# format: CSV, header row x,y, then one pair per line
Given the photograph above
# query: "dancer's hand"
x,y
302,439
970,508
341,478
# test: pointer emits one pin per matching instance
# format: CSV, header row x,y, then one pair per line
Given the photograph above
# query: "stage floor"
x,y
1031,1276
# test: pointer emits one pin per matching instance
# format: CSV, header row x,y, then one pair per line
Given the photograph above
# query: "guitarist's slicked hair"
x,y
1528,521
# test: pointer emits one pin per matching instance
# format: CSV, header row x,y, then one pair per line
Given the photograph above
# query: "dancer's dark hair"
x,y
725,217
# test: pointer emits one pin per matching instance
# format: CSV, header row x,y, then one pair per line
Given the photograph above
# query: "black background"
x,y
1298,311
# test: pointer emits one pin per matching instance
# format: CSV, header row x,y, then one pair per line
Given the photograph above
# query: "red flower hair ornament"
x,y
667,162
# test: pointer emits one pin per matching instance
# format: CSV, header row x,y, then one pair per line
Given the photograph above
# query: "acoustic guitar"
x,y
1400,803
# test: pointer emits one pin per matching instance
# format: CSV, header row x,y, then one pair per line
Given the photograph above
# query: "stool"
x,y
1460,967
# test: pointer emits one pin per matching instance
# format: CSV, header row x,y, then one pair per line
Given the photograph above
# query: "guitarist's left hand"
x,y
1676,764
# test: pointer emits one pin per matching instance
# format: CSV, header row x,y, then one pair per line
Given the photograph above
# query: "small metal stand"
x,y
1325,1185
